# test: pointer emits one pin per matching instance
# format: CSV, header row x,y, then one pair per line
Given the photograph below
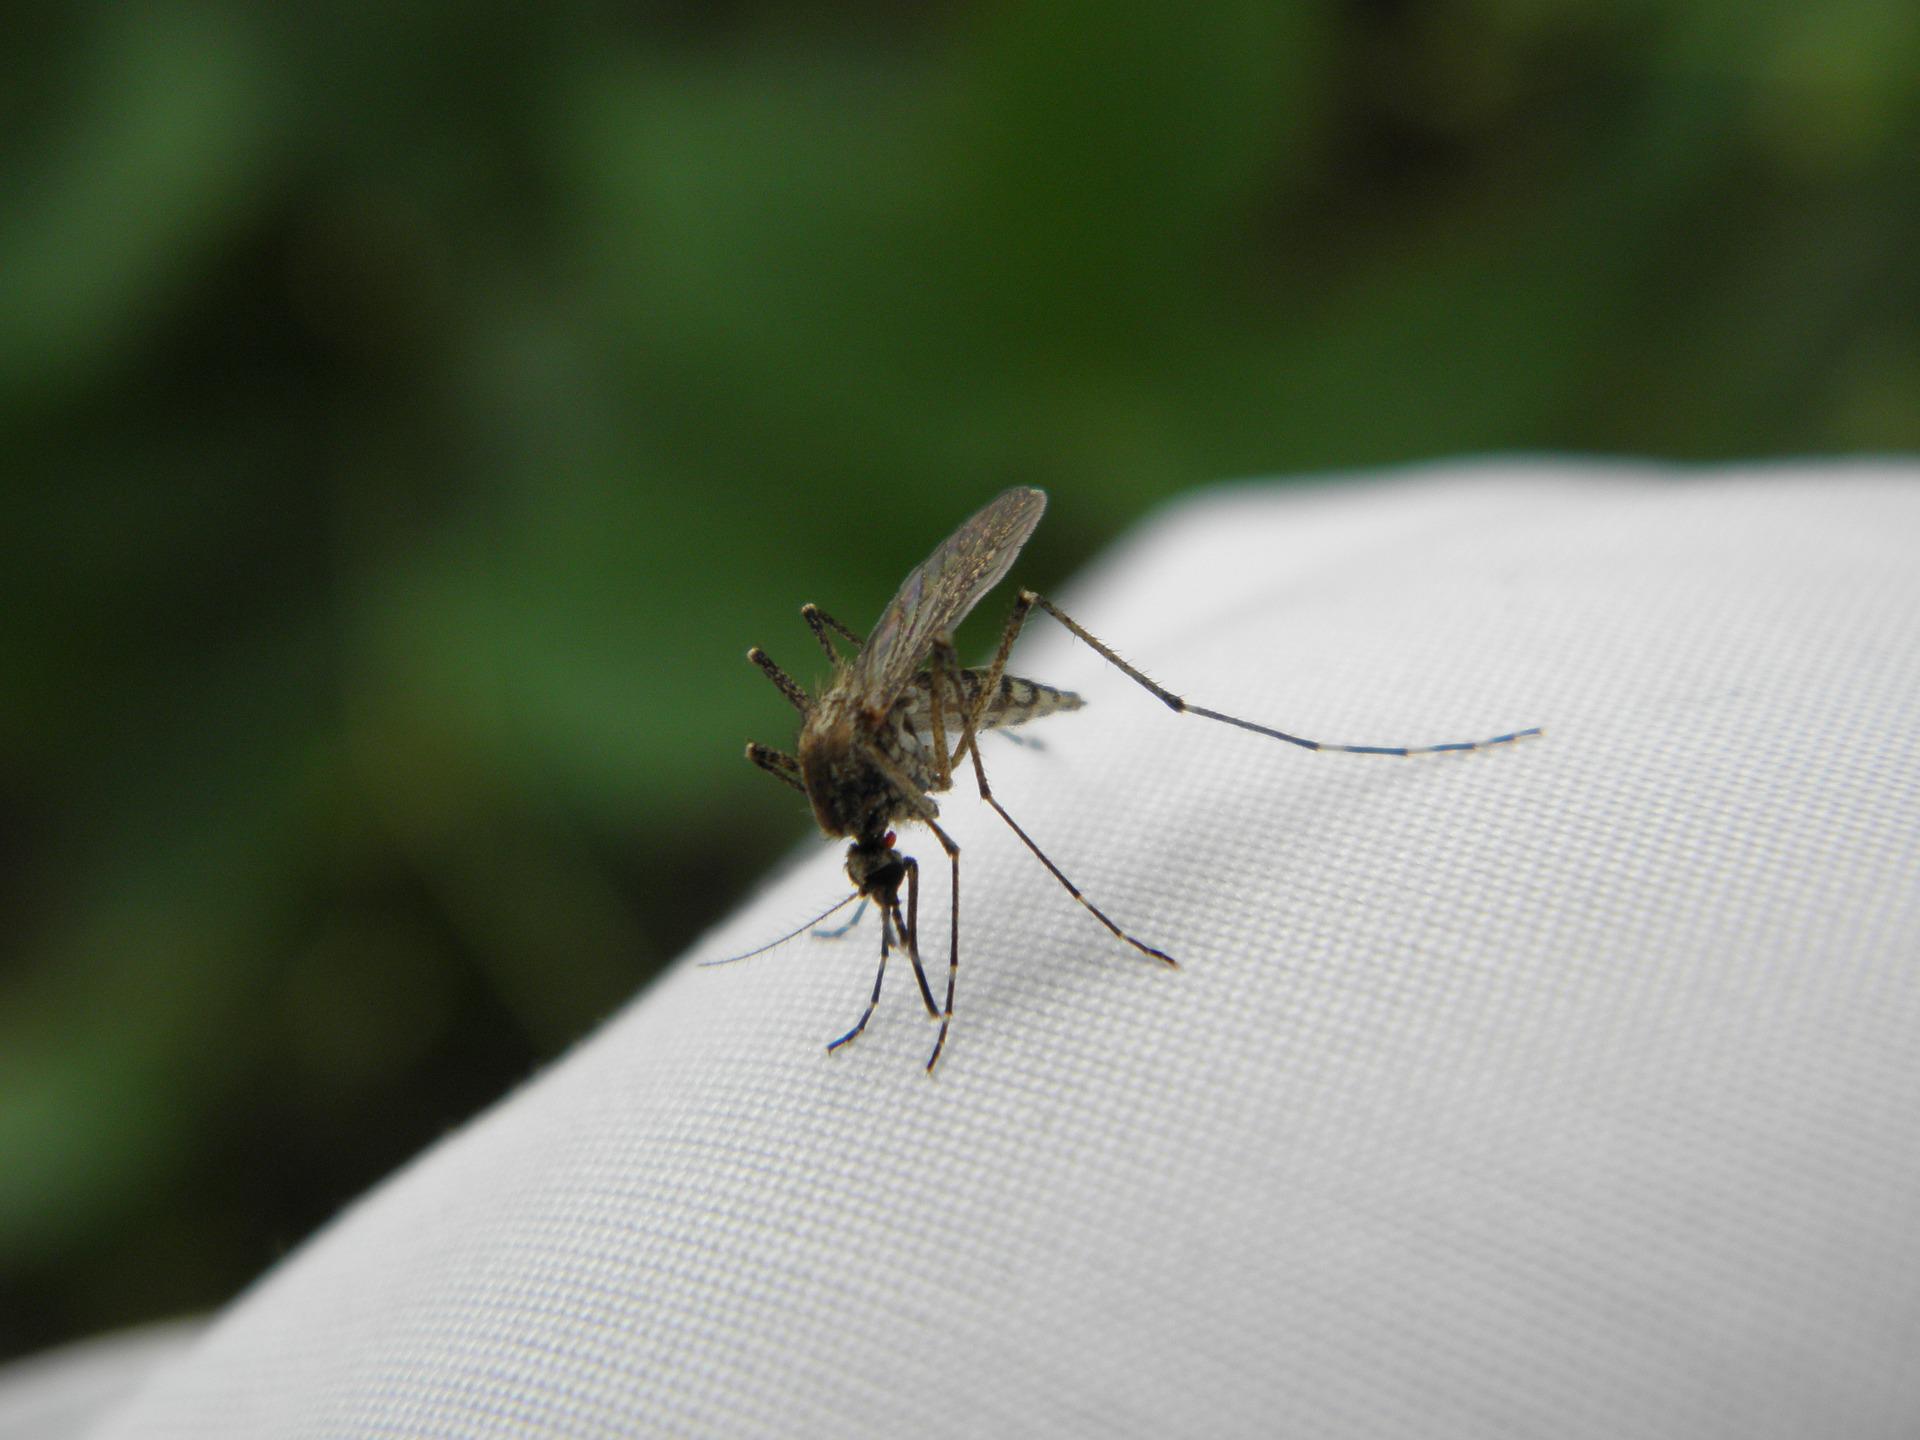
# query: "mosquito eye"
x,y
888,842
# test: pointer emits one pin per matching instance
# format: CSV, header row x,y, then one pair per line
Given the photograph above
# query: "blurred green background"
x,y
412,413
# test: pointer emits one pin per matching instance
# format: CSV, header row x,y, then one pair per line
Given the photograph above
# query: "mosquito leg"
x,y
840,930
910,934
879,976
1015,620
781,766
953,942
823,622
1028,600
943,664
788,686
969,742
924,808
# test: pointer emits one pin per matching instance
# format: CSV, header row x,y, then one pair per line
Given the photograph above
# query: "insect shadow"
x,y
873,748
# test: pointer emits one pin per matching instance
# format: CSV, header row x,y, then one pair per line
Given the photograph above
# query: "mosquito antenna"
x,y
797,930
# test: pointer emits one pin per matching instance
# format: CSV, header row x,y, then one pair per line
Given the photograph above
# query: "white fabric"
x,y
61,1394
1566,1089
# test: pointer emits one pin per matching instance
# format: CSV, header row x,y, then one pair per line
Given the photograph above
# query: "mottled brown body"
x,y
888,731
852,757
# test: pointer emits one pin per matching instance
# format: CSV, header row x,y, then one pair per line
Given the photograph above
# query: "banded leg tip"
x,y
939,1049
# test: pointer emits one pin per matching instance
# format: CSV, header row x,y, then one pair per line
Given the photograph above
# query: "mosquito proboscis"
x,y
874,750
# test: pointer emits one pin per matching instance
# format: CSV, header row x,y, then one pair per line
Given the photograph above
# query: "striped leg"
x,y
788,686
953,947
1023,606
908,930
776,763
910,933
943,656
925,812
879,977
823,622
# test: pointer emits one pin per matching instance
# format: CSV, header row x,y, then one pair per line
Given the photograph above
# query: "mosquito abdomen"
x,y
1015,701
1018,701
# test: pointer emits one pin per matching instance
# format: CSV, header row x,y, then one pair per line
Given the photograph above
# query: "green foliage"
x,y
412,413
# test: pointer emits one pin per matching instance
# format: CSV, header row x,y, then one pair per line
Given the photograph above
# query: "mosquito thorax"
x,y
849,793
850,796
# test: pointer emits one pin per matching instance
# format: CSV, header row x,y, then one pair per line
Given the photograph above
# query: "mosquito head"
x,y
876,868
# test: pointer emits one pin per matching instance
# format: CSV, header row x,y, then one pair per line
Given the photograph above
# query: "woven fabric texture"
x,y
1567,1089
61,1394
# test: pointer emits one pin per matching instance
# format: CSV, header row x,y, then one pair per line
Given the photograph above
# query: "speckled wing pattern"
x,y
938,595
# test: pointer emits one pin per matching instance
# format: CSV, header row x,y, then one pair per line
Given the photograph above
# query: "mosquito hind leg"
x,y
969,744
944,669
1023,607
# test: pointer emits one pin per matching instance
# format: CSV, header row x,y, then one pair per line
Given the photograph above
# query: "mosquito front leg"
x,y
786,684
910,933
823,622
879,978
953,943
926,813
1028,599
778,764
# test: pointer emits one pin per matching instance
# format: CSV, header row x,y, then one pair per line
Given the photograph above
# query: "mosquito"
x,y
873,748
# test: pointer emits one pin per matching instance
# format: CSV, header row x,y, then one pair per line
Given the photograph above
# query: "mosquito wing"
x,y
937,596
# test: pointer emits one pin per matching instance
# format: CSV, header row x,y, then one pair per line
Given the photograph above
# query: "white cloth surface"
x,y
1566,1089
61,1394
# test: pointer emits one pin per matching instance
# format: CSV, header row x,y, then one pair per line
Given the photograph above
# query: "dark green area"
x,y
412,413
